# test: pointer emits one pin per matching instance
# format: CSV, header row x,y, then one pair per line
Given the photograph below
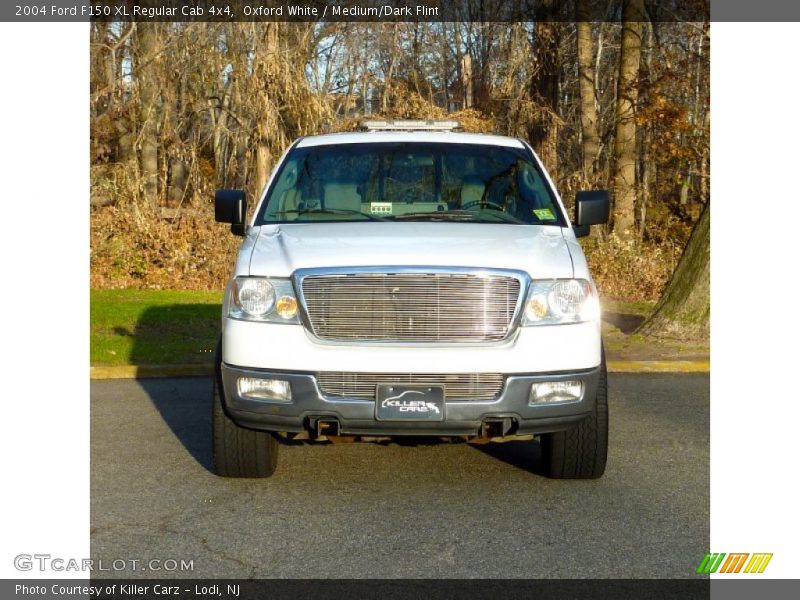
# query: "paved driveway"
x,y
401,510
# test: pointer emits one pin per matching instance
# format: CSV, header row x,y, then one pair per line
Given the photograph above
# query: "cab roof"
x,y
441,137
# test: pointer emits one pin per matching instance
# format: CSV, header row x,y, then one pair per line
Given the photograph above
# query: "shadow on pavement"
x,y
525,455
188,415
179,334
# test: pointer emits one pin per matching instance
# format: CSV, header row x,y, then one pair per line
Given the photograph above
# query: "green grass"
x,y
620,321
642,309
149,327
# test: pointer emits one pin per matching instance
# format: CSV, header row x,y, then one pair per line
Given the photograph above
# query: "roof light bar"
x,y
408,125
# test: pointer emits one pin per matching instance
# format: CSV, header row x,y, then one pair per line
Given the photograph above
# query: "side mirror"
x,y
230,206
591,208
580,230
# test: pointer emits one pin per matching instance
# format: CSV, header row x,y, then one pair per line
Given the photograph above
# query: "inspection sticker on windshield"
x,y
409,402
380,208
544,214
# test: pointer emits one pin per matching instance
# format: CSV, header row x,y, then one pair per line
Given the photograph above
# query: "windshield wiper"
x,y
461,215
440,215
329,211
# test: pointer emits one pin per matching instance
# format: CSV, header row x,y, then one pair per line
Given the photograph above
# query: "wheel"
x,y
238,451
580,452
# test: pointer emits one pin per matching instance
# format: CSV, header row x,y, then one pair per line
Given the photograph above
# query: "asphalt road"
x,y
425,510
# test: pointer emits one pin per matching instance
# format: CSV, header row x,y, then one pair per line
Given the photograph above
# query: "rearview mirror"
x,y
230,206
591,208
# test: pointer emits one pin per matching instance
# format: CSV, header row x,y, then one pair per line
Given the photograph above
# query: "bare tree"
x,y
625,134
586,70
149,97
543,130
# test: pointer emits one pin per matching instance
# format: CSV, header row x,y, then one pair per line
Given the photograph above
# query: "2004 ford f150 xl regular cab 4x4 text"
x,y
410,280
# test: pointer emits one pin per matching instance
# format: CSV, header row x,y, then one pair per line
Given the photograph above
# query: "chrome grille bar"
x,y
421,307
458,386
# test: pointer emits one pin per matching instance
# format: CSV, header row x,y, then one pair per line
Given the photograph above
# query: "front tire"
x,y
580,452
238,451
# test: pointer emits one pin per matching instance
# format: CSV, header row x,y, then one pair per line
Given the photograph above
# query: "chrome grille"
x,y
411,307
458,386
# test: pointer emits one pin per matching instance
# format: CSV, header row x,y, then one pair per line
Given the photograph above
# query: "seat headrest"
x,y
342,195
472,189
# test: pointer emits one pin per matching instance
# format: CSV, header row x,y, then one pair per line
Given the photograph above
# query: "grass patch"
x,y
147,327
641,309
620,323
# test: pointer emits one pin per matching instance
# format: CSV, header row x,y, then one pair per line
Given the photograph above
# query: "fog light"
x,y
276,390
556,391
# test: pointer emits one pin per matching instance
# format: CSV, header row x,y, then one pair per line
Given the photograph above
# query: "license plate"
x,y
409,402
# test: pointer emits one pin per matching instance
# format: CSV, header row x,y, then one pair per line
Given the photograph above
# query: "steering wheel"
x,y
482,204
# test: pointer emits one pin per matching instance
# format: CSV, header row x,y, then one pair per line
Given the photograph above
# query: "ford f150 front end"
x,y
410,283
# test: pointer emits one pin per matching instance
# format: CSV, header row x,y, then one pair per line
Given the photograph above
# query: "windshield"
x,y
410,181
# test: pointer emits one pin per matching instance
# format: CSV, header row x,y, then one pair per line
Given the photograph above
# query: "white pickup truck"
x,y
410,280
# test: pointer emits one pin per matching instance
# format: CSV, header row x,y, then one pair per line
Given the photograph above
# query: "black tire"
x,y
238,451
580,452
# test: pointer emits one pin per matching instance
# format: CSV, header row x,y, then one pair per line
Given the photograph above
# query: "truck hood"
x,y
279,250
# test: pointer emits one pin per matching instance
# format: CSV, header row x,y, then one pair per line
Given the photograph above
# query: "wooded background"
x,y
179,109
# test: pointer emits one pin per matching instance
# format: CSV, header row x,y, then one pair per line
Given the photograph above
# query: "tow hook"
x,y
496,427
323,426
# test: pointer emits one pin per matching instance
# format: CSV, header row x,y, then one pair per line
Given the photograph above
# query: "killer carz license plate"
x,y
409,402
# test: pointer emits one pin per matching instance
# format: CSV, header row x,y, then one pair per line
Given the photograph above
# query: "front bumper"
x,y
540,349
357,416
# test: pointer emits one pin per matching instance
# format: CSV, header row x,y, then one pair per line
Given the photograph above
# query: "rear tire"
x,y
238,451
580,452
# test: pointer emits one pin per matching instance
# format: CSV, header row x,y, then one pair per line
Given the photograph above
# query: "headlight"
x,y
254,296
561,301
261,299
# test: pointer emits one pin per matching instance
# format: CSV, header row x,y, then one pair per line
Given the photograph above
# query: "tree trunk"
x,y
262,167
543,132
220,123
647,171
704,160
700,116
590,139
686,184
685,307
389,75
445,85
148,112
647,163
467,80
178,178
125,140
625,135
172,140
462,87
